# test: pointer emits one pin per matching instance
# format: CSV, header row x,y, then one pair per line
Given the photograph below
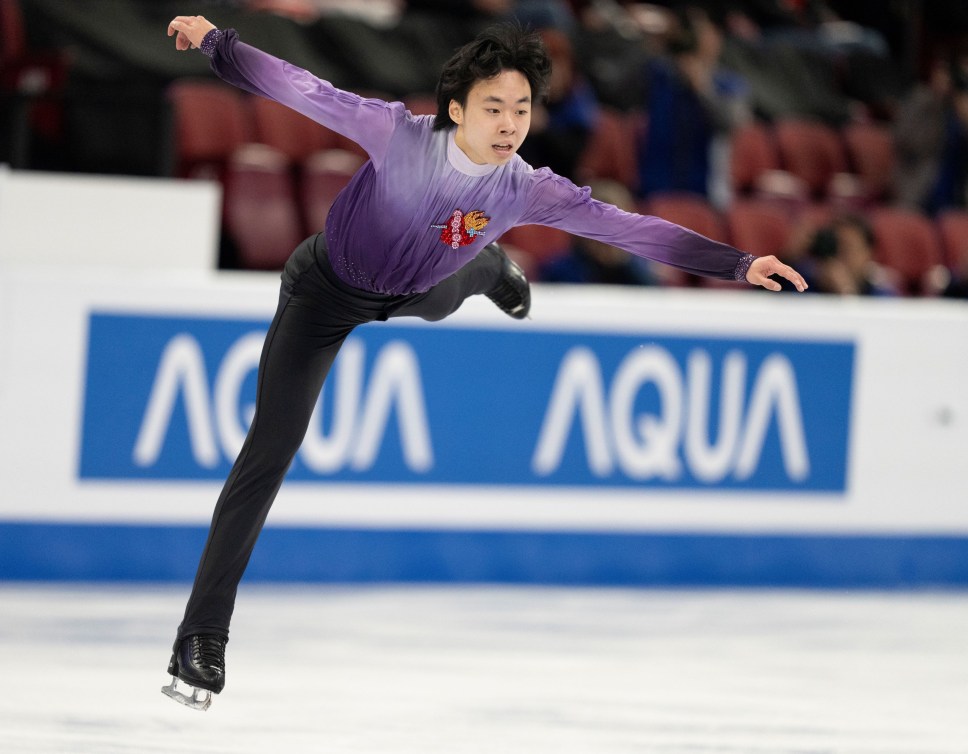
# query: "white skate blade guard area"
x,y
417,670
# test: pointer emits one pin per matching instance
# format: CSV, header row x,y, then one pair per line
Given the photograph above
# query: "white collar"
x,y
461,162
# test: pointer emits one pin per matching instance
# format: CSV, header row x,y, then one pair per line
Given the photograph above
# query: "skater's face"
x,y
496,118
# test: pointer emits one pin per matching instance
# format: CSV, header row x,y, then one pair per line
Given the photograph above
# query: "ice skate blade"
x,y
201,699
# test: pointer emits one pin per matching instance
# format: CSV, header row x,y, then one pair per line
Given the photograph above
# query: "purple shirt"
x,y
419,209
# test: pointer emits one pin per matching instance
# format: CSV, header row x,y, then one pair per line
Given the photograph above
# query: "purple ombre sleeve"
x,y
558,202
368,122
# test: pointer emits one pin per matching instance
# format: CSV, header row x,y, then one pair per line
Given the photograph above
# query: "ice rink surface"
x,y
401,669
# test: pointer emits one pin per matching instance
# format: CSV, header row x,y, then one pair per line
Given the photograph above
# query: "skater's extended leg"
x,y
310,325
295,360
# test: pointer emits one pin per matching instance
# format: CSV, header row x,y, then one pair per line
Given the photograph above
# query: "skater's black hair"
x,y
503,47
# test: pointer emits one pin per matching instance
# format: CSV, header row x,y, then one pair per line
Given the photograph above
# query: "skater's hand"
x,y
762,267
190,30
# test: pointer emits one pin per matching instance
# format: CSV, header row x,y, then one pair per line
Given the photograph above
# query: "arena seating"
x,y
211,121
32,82
907,242
812,151
421,103
871,155
953,230
753,153
323,175
758,226
288,131
260,213
611,149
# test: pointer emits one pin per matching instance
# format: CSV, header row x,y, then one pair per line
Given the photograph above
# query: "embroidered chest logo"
x,y
462,229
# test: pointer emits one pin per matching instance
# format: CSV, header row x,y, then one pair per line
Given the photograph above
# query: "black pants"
x,y
316,313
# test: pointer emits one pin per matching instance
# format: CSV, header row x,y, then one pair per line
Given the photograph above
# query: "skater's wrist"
x,y
210,42
743,267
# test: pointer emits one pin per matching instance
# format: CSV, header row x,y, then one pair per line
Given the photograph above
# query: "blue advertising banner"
x,y
170,398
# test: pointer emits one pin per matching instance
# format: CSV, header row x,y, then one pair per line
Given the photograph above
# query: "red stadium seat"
x,y
290,132
812,151
421,103
906,241
870,149
816,214
611,151
211,123
755,168
758,226
324,175
526,261
753,153
953,229
260,214
805,222
13,36
32,84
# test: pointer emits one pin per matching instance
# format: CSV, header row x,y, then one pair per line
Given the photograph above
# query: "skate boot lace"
x,y
511,293
506,296
208,652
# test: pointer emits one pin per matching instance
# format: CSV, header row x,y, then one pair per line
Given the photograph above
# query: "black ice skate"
x,y
512,293
198,661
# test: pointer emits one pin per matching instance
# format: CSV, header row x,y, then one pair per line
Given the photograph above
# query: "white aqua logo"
x,y
648,446
218,419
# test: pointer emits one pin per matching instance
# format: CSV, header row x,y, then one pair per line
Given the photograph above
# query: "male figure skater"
x,y
411,235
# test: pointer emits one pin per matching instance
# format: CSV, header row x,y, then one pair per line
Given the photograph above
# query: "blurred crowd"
x,y
659,107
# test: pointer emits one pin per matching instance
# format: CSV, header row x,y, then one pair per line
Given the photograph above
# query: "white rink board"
x,y
108,222
908,430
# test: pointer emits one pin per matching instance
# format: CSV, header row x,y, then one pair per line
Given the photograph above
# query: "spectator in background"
x,y
931,136
534,13
590,261
814,25
949,282
491,9
692,106
956,285
799,249
561,126
843,255
545,14
454,22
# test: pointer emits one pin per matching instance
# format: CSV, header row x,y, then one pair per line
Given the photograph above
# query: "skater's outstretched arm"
x,y
556,201
368,122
